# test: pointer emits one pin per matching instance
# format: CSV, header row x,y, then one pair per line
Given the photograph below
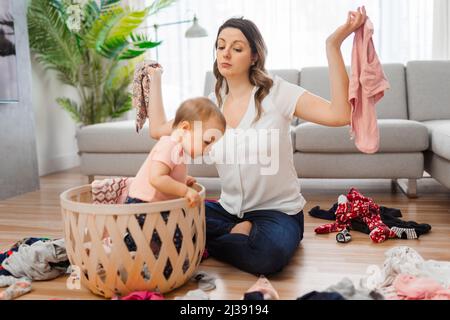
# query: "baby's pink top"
x,y
168,151
366,88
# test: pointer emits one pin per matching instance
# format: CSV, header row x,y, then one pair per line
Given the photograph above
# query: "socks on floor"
x,y
343,236
404,233
205,281
329,214
389,216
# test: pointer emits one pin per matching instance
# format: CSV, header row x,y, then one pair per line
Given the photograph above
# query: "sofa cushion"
x,y
392,106
428,90
111,137
395,136
354,165
439,137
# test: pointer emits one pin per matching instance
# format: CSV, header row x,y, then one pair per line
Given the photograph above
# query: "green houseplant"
x,y
92,46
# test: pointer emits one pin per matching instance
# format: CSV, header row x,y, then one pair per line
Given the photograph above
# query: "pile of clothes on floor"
x,y
262,289
405,275
204,280
357,212
31,259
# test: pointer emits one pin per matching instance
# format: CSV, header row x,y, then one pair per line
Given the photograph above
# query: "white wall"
x,y
55,130
18,160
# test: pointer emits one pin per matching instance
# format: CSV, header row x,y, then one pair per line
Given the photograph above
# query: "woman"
x,y
258,222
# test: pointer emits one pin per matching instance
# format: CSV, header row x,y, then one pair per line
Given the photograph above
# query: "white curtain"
x,y
441,30
294,30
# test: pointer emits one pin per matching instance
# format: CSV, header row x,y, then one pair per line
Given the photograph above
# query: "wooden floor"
x,y
319,262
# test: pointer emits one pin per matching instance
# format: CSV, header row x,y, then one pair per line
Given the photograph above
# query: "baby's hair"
x,y
198,109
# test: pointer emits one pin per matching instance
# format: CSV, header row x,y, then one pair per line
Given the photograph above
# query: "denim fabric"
x,y
272,241
155,243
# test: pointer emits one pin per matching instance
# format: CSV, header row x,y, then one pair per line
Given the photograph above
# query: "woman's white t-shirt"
x,y
255,159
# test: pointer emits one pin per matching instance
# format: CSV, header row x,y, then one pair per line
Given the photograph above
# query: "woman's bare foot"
x,y
265,287
243,227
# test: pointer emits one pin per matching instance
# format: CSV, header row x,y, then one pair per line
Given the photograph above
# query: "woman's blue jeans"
x,y
272,241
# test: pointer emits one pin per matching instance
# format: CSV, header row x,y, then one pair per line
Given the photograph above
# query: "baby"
x,y
198,124
163,176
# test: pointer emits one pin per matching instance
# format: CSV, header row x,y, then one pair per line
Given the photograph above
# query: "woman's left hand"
x,y
355,20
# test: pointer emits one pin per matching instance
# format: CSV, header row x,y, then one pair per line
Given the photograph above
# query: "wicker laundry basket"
x,y
95,234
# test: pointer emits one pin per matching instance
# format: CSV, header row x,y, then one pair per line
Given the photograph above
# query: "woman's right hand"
x,y
155,71
192,197
355,19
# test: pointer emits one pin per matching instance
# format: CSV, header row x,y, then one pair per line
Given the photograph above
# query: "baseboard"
x,y
60,163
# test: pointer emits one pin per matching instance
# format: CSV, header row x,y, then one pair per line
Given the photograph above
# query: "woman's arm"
x,y
334,113
158,124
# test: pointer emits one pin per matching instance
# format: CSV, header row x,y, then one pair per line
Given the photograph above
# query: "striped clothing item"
x,y
111,190
409,232
389,293
141,91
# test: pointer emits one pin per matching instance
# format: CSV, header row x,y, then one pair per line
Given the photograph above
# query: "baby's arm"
x,y
161,181
159,126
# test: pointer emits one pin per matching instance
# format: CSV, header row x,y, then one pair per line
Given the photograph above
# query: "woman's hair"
x,y
257,73
198,109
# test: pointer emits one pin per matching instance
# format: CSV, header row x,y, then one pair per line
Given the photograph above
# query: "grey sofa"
x,y
414,122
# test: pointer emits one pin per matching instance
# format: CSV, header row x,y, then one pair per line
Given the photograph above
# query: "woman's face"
x,y
233,54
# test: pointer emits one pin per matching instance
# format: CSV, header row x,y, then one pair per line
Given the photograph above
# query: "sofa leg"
x,y
393,185
91,178
408,187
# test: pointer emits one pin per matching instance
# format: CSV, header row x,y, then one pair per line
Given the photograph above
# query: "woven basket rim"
x,y
121,209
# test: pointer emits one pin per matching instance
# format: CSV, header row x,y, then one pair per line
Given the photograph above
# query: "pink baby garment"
x,y
414,288
169,152
141,295
366,88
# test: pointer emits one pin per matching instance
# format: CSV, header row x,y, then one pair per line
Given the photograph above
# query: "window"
x,y
294,31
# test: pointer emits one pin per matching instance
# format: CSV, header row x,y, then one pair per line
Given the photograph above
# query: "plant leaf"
x,y
127,23
101,27
71,107
112,47
54,44
98,59
159,5
141,41
108,4
131,53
